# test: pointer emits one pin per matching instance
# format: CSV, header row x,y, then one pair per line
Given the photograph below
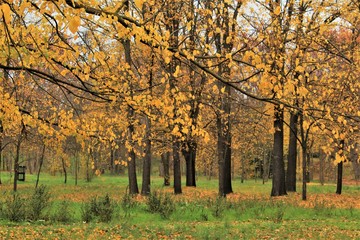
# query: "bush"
x,y
86,213
102,209
63,213
218,206
37,203
161,203
14,207
127,203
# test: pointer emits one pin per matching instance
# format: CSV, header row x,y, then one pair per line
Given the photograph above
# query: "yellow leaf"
x,y
185,130
74,24
215,89
177,71
139,3
5,9
277,10
300,69
167,60
338,158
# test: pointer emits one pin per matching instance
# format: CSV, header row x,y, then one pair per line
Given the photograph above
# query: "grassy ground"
x,y
249,213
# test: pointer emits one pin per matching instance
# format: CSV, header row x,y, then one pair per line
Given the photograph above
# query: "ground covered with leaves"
x,y
102,209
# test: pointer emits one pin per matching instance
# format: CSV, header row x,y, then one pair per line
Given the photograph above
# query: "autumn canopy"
x,y
214,83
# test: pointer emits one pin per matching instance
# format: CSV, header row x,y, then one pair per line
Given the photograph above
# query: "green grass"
x,y
248,214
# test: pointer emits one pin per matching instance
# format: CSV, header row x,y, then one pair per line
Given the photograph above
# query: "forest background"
x,y
215,88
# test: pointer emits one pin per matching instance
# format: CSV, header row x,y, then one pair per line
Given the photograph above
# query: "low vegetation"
x,y
103,209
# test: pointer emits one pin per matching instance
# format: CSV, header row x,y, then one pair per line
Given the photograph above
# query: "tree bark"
x,y
177,169
292,154
322,158
304,170
189,153
40,165
76,168
133,185
16,162
145,189
278,170
165,159
226,23
340,170
64,170
112,163
354,158
339,178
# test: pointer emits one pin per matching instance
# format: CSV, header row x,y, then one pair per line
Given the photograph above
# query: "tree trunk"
x,y
340,169
112,163
354,158
145,190
40,166
308,164
322,158
278,170
224,150
165,159
147,158
88,174
177,167
304,170
190,155
16,162
356,168
339,178
264,168
133,186
242,177
292,155
64,170
76,168
130,116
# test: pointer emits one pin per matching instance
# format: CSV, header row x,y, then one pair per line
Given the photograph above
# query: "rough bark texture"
x,y
165,159
322,158
133,185
292,155
223,121
278,179
145,189
177,167
354,158
340,169
16,162
41,164
64,170
189,153
339,177
304,170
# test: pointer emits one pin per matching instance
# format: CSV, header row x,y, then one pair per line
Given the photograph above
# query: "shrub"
x,y
218,206
127,203
63,213
86,213
161,203
37,203
100,208
14,207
